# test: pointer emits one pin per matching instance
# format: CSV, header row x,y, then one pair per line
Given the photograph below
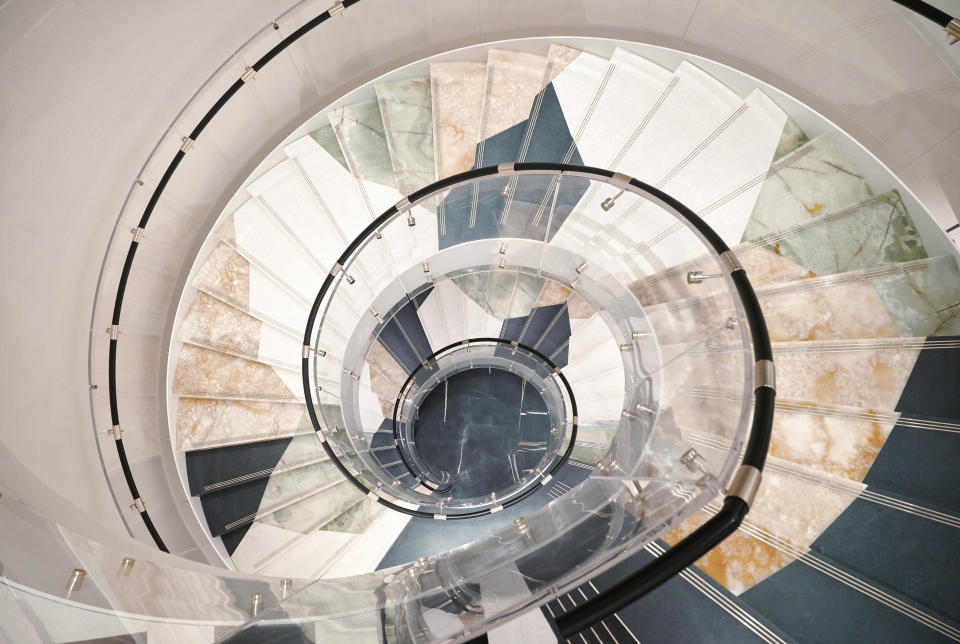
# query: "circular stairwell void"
x,y
738,160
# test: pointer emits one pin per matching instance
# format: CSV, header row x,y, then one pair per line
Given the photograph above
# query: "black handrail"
x,y
114,330
466,343
928,11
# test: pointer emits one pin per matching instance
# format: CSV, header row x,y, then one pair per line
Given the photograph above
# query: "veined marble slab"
x,y
203,423
815,179
739,562
213,322
867,379
225,274
923,299
457,98
832,445
359,130
386,376
304,516
407,112
284,487
511,83
326,138
502,294
202,371
875,232
357,518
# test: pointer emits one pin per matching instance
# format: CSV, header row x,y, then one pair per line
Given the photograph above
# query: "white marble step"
x,y
257,233
351,204
456,93
720,183
690,110
579,81
633,88
230,278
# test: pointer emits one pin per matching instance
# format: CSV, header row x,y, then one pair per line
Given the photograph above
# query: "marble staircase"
x,y
858,508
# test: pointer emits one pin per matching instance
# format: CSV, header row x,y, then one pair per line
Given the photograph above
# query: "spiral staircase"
x,y
457,315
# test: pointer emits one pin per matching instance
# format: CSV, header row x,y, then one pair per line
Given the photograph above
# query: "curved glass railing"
x,y
129,343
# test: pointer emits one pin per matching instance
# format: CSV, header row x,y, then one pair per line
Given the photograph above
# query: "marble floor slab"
x,y
512,81
407,113
359,130
261,238
719,180
924,298
304,515
205,423
456,91
739,562
875,232
815,179
202,371
215,323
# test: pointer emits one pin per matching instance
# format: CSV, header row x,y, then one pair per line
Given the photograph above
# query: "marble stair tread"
x,y
838,601
449,314
227,276
917,298
289,197
819,177
720,180
511,83
344,198
302,516
631,87
203,372
693,107
407,113
456,93
236,506
560,113
204,423
360,132
871,233
259,237
215,469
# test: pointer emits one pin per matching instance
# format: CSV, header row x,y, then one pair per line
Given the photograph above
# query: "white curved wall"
x,y
89,86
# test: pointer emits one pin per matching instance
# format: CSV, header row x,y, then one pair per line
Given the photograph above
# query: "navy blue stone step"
x,y
691,607
822,603
209,469
916,557
919,461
